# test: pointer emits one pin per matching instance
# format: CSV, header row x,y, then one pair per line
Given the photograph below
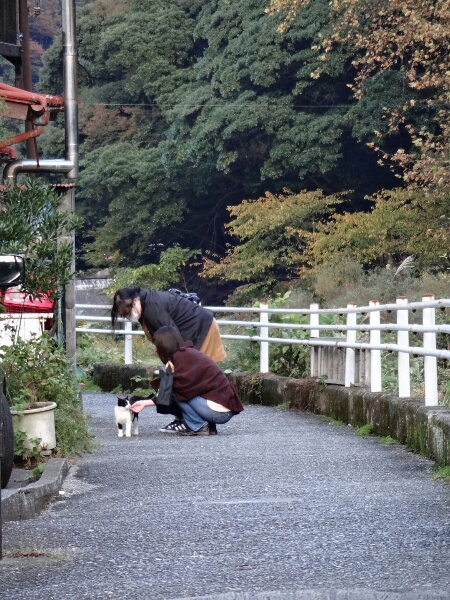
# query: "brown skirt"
x,y
212,344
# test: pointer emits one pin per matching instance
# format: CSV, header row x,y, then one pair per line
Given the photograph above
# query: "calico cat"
x,y
125,416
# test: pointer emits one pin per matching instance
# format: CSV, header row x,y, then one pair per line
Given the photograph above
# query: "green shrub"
x,y
32,223
365,430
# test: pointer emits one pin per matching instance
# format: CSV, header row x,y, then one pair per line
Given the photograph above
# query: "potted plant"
x,y
44,398
31,380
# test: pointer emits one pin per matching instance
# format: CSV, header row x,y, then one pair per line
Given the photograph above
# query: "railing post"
x,y
404,375
314,333
350,352
375,355
264,346
128,344
430,362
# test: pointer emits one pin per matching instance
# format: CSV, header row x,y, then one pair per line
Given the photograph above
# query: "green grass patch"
x,y
37,471
89,386
443,473
365,430
97,348
388,440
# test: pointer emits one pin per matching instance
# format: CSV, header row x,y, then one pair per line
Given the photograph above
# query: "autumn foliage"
x,y
288,235
272,233
401,222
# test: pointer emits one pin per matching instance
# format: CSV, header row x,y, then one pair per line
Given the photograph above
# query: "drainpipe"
x,y
70,85
30,165
69,165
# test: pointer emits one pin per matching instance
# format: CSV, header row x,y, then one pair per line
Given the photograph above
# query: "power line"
x,y
210,104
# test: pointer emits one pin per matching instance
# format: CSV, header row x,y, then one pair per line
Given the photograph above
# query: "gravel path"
x,y
279,505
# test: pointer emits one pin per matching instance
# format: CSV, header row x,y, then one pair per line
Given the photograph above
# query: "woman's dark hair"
x,y
167,341
123,298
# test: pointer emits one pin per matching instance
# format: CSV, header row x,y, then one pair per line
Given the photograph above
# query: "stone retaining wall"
x,y
108,376
408,420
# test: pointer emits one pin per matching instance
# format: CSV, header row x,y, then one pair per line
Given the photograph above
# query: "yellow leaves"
x,y
396,224
272,232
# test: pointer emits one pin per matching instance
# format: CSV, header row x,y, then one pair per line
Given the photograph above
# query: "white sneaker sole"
x,y
163,430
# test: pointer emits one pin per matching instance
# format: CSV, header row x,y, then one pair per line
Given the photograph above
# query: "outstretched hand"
x,y
136,407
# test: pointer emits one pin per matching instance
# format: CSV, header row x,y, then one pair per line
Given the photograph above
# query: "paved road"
x,y
278,506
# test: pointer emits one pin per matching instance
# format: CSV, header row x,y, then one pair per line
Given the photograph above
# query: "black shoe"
x,y
212,429
204,430
176,426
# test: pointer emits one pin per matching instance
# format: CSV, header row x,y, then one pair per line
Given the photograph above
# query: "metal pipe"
x,y
29,165
443,303
70,85
350,352
264,346
403,359
69,165
430,364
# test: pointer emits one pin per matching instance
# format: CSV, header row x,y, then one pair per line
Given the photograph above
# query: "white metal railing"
x,y
350,345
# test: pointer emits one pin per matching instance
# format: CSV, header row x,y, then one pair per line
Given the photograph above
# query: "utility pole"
x,y
67,302
71,116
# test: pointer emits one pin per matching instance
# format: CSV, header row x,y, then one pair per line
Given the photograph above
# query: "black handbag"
x,y
165,399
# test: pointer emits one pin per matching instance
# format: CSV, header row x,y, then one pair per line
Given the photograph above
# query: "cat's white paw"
x,y
120,434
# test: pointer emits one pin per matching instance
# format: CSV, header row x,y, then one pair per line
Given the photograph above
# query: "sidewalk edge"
x,y
27,502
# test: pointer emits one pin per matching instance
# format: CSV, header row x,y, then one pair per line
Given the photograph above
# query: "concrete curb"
x,y
27,502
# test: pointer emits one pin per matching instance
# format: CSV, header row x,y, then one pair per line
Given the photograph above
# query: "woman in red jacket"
x,y
204,394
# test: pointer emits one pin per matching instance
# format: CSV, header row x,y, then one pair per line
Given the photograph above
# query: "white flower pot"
x,y
37,422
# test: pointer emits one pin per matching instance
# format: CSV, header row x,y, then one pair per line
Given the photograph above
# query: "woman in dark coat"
x,y
204,394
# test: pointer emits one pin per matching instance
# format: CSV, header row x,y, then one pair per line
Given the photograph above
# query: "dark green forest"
x,y
188,108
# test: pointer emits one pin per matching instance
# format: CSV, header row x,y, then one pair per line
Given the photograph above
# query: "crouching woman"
x,y
204,395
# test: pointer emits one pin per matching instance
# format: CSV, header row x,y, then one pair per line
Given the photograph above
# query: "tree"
x,y
409,38
402,222
224,108
272,234
141,200
30,224
251,107
168,272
